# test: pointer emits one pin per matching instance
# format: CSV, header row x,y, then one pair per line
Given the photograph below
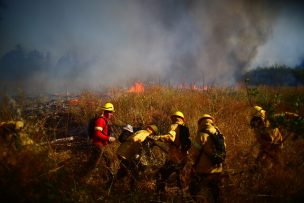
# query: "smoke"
x,y
94,44
286,45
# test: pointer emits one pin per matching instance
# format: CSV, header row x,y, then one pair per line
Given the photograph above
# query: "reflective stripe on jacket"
x,y
101,136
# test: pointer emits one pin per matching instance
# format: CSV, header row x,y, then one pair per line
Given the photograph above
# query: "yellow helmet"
x,y
179,114
108,107
205,116
260,112
154,128
19,125
258,108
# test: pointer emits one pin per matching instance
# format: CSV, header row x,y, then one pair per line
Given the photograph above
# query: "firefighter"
x,y
268,137
205,172
101,138
13,134
127,131
129,153
292,122
176,158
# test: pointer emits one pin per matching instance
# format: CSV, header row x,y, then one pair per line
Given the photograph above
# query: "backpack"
x,y
219,154
185,140
91,126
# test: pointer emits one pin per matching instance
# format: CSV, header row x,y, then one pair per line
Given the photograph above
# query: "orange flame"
x,y
138,87
197,87
74,102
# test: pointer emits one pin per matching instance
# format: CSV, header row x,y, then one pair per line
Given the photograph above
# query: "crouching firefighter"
x,y
268,137
129,153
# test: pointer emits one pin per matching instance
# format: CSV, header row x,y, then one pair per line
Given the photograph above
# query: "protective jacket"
x,y
101,133
267,136
12,132
266,129
203,146
132,146
175,155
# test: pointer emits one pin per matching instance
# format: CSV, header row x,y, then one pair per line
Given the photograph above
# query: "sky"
x,y
92,44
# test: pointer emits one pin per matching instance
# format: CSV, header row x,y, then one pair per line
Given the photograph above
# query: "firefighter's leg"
x,y
108,174
92,162
122,171
164,174
195,185
134,174
179,168
213,184
276,157
178,179
262,159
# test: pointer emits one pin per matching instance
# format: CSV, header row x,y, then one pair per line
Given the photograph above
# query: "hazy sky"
x,y
90,44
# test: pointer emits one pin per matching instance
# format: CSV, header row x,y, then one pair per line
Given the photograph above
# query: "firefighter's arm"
x,y
203,138
287,115
170,136
99,126
100,135
197,145
290,115
167,137
140,137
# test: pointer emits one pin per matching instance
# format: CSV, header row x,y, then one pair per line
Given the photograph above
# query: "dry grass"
x,y
50,173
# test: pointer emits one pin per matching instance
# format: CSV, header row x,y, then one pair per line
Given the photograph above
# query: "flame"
x,y
138,87
198,87
193,87
74,102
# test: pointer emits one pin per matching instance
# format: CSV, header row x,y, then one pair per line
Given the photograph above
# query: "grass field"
x,y
48,172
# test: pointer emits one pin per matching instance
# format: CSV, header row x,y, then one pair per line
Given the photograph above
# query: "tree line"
x,y
276,75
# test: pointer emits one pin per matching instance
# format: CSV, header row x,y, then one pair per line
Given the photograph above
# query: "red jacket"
x,y
101,137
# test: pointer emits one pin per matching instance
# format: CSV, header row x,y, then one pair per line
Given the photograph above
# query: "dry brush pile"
x,y
49,171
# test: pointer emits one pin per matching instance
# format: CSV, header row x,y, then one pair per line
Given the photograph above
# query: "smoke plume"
x,y
76,45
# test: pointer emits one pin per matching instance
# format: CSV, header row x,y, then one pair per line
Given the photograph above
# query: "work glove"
x,y
151,138
112,139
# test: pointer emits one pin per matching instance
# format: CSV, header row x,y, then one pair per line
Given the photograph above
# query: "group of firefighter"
x,y
204,172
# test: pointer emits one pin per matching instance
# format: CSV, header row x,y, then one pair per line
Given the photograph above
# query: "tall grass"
x,y
50,174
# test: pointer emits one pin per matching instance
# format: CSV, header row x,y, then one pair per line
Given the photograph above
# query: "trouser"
x,y
164,173
210,181
269,156
129,168
99,154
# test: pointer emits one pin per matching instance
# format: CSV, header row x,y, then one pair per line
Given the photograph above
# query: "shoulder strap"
x,y
174,143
